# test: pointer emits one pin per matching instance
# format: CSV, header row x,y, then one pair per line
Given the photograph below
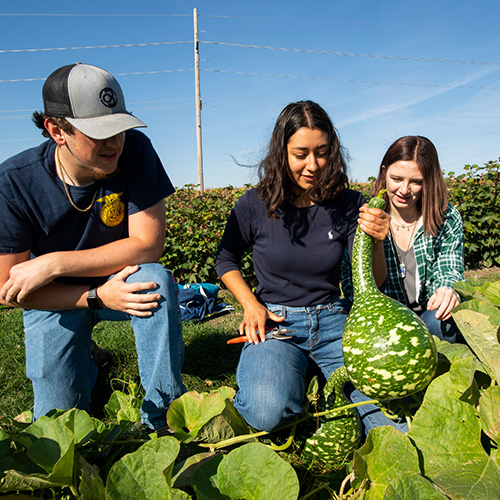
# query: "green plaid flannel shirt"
x,y
440,261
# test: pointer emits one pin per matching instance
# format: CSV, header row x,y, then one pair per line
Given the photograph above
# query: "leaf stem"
x,y
246,437
288,442
233,440
342,408
322,486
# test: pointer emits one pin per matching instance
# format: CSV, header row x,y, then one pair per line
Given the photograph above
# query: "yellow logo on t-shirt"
x,y
113,211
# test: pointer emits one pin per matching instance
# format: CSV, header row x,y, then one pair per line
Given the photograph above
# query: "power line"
x,y
269,75
263,47
94,15
94,47
154,72
349,81
354,54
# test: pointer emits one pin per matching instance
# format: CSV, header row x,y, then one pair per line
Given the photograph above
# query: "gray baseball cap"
x,y
90,99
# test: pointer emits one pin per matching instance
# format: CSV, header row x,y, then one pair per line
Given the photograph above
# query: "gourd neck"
x,y
362,272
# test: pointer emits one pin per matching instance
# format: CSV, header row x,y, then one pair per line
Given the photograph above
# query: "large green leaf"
x,y
91,485
386,455
205,480
78,422
489,410
452,352
255,472
146,473
5,441
183,472
447,433
479,323
411,486
470,292
224,426
189,413
493,293
50,443
15,480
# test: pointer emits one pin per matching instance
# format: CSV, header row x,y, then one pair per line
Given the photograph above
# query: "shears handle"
x,y
237,340
245,338
271,333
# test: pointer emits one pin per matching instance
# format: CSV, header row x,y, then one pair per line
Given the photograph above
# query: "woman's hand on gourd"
x,y
254,322
374,222
443,301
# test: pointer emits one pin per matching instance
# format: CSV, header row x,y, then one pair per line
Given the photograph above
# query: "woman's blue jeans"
x,y
59,363
445,330
271,375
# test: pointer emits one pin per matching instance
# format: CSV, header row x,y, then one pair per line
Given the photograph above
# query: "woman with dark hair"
x,y
298,222
425,247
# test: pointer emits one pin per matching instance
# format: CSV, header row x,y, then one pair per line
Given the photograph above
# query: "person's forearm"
x,y
21,278
104,260
237,286
56,296
137,298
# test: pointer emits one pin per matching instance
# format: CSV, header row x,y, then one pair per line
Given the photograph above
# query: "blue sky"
x,y
382,69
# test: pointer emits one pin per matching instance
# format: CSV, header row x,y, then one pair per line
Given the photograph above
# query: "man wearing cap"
x,y
83,225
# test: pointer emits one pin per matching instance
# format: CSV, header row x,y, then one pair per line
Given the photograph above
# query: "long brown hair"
x,y
275,186
434,199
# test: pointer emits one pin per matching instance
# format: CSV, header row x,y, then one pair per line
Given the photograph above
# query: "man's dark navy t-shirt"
x,y
36,212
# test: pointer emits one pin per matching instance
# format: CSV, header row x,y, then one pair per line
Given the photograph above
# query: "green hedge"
x,y
195,223
476,195
194,226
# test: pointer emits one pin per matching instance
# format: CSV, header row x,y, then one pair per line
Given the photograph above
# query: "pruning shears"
x,y
271,333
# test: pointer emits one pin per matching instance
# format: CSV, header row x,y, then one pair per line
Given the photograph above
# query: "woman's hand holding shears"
x,y
255,314
253,326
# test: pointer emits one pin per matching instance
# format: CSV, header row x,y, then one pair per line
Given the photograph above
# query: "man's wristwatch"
x,y
93,301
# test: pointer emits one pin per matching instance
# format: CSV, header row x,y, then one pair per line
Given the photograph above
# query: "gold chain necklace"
x,y
63,170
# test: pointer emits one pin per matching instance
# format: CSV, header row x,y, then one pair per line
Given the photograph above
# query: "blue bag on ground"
x,y
199,301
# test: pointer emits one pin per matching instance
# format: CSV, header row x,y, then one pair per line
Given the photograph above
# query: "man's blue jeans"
x,y
271,375
59,363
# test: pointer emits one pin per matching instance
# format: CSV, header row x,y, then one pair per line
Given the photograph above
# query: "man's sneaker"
x,y
102,358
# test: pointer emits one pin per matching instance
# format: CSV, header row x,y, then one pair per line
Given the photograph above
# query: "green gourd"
x,y
388,352
337,435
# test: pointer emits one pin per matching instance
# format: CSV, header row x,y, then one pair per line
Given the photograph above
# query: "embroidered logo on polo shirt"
x,y
113,211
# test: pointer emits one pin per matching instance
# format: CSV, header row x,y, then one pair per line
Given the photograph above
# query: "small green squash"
x,y
338,435
388,352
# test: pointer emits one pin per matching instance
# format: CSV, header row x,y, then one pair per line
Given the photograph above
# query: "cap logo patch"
x,y
108,97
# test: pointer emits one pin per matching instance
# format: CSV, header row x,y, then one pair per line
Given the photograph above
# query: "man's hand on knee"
x,y
119,295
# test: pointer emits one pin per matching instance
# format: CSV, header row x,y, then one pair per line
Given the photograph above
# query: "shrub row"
x,y
195,223
194,226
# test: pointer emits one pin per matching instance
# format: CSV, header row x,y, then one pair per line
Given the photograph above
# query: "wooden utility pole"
x,y
198,100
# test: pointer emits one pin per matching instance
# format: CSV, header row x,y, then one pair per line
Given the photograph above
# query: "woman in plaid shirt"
x,y
425,246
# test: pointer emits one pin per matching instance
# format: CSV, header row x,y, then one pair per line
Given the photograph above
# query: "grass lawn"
x,y
209,361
